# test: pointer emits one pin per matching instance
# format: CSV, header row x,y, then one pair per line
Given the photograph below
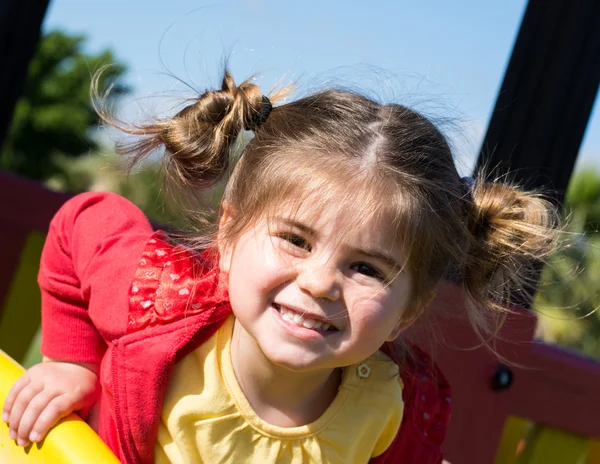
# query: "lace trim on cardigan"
x,y
171,282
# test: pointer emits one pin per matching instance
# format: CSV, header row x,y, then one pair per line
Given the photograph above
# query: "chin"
x,y
293,359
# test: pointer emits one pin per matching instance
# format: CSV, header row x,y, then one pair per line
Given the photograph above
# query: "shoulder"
x,y
109,202
98,215
376,399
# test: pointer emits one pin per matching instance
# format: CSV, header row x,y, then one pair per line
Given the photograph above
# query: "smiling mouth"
x,y
301,320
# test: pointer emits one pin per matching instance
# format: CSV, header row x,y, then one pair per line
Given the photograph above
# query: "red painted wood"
x,y
551,385
12,239
478,411
27,204
561,390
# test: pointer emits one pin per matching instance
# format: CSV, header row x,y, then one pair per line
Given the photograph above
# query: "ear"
x,y
225,248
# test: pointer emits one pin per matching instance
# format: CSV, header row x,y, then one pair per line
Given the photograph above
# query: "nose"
x,y
320,280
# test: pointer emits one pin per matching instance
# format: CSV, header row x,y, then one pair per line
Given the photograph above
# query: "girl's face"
x,y
310,298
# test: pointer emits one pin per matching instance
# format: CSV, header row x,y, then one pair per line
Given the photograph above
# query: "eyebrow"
x,y
376,254
379,255
298,225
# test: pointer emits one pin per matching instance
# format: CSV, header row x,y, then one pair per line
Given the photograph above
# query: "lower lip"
x,y
300,332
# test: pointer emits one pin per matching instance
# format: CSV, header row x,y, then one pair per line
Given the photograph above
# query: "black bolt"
x,y
502,378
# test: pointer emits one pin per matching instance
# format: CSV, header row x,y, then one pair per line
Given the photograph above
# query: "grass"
x,y
33,355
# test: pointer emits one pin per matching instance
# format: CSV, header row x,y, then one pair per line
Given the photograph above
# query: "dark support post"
x,y
20,23
547,95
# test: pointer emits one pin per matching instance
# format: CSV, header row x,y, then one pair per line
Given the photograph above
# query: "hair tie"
x,y
259,117
468,186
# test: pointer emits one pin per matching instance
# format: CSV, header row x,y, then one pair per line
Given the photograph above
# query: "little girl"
x,y
272,344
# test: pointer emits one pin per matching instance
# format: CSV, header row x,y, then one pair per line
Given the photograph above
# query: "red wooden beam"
x,y
560,389
550,385
479,412
12,240
27,204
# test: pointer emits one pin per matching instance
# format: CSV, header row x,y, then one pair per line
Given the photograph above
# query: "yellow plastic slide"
x,y
71,441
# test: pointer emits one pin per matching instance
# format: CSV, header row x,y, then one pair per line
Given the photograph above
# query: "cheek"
x,y
259,267
376,312
372,322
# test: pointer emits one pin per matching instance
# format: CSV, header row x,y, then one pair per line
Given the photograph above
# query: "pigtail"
x,y
511,232
197,140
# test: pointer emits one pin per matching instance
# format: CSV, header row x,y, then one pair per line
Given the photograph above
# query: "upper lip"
x,y
306,314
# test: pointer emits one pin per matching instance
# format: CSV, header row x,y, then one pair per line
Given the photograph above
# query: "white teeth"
x,y
309,323
300,320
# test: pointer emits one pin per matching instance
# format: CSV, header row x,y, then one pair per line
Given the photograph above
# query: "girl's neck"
x,y
278,395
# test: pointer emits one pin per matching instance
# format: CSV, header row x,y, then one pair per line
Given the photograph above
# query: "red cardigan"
x,y
117,294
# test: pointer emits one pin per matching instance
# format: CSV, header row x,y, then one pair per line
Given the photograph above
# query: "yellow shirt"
x,y
207,419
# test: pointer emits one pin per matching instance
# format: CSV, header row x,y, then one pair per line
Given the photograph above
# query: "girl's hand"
x,y
46,393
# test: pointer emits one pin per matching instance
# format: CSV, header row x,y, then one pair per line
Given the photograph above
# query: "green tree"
x,y
569,289
54,118
105,171
582,201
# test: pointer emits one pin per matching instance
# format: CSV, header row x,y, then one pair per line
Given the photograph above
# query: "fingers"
x,y
22,400
44,395
12,395
44,403
58,407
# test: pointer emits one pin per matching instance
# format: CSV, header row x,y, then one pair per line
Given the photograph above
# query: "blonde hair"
x,y
340,143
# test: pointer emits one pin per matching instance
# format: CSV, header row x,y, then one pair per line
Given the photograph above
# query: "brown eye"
x,y
297,241
368,270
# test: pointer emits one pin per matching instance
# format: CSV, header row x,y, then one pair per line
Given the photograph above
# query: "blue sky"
x,y
444,58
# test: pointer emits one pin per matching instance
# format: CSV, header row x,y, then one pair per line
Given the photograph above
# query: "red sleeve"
x,y
90,256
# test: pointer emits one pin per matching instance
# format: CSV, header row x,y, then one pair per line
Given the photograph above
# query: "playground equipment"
x,y
71,441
